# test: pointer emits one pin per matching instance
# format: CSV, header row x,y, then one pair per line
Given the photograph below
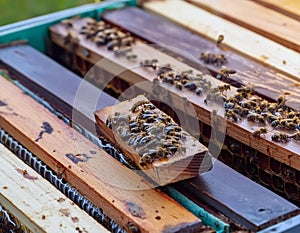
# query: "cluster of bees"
x,y
213,59
255,109
104,34
153,134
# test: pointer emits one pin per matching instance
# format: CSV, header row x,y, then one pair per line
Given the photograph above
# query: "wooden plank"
x,y
237,38
287,154
38,204
238,197
260,197
155,29
265,21
291,225
122,194
181,166
290,8
21,63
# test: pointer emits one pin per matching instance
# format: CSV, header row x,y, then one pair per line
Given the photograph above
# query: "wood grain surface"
x,y
236,37
38,204
290,8
257,18
121,193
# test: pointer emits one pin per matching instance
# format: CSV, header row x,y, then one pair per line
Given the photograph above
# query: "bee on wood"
x,y
224,87
199,91
131,57
123,51
138,104
296,136
145,159
281,100
192,86
112,44
220,39
178,85
224,73
252,116
261,131
280,137
167,78
214,59
230,114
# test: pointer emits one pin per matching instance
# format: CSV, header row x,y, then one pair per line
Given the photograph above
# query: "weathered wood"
x,y
236,37
290,8
240,198
122,194
34,70
181,166
260,197
265,21
155,29
38,204
287,153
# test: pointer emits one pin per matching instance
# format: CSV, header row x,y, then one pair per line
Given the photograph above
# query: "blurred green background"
x,y
12,11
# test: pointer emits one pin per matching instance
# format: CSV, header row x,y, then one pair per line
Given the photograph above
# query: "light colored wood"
x,y
238,38
178,167
121,193
38,204
265,21
183,100
290,8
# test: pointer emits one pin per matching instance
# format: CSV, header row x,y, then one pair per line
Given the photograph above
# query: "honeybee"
x,y
280,137
230,114
296,136
281,100
178,85
259,132
214,59
131,57
145,159
220,39
224,73
190,85
224,87
138,104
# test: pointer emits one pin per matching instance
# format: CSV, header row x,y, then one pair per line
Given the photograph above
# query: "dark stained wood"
x,y
56,84
155,29
238,197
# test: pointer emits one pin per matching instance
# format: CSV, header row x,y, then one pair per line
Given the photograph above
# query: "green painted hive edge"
x,y
35,30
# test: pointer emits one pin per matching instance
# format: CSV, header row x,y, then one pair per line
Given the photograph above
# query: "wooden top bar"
x,y
236,37
287,153
181,166
265,21
157,30
38,204
121,193
290,8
